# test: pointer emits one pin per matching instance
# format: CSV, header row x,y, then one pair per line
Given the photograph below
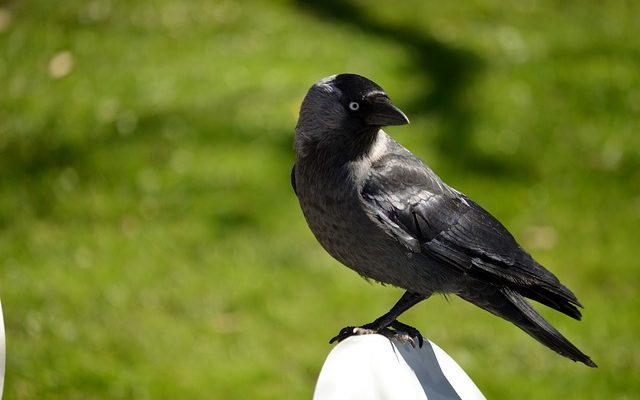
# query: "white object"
x,y
373,367
2,351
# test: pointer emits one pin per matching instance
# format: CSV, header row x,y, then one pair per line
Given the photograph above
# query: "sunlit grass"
x,y
151,246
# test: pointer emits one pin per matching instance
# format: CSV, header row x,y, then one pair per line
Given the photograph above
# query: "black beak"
x,y
384,113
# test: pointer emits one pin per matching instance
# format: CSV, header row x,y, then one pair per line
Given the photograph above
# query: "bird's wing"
x,y
414,206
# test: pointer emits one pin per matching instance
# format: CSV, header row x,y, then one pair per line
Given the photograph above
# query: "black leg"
x,y
381,325
407,301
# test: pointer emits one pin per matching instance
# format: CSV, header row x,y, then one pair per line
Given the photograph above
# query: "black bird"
x,y
382,212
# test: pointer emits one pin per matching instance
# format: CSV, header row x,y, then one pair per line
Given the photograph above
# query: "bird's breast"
x,y
334,213
330,203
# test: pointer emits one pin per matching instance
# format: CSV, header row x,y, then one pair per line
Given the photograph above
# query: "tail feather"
x,y
508,304
548,291
553,300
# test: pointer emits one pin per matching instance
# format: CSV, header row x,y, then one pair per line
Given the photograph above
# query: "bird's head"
x,y
344,110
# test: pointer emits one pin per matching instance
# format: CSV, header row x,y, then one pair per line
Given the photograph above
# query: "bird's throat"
x,y
363,142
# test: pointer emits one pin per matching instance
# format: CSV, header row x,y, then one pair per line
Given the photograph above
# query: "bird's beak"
x,y
384,113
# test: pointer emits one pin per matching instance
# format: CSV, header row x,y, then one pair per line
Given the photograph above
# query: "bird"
x,y
382,212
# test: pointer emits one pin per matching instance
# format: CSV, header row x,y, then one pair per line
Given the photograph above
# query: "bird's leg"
x,y
381,325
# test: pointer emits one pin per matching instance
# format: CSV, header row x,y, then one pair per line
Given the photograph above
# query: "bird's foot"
x,y
349,331
400,332
410,333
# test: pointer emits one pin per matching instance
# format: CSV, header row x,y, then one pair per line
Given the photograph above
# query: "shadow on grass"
x,y
451,70
45,165
30,157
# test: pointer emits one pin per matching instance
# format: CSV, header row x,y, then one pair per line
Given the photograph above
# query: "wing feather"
x,y
415,207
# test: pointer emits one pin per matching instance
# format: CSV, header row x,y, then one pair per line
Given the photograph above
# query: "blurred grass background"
x,y
151,246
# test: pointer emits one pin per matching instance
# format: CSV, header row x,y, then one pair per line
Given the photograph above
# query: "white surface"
x,y
2,351
373,367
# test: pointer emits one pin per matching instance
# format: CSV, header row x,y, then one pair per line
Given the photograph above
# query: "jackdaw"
x,y
382,212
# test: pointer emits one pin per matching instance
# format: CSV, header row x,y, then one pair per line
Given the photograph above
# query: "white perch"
x,y
373,367
3,352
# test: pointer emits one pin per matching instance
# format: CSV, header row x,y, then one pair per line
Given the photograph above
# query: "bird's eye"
x,y
354,106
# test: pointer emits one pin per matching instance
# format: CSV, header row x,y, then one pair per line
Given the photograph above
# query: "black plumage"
x,y
455,230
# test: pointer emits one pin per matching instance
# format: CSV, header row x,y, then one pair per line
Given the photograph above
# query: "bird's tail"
x,y
508,304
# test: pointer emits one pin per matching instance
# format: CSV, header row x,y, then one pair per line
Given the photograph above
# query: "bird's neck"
x,y
332,150
330,166
363,143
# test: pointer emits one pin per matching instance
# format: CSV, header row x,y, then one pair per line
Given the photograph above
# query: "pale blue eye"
x,y
354,106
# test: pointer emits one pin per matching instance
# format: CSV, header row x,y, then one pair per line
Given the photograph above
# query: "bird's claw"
x,y
351,331
401,332
408,331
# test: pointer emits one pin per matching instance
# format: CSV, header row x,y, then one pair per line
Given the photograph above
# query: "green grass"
x,y
151,246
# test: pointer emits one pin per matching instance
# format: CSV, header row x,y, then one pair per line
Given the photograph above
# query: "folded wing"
x,y
415,207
